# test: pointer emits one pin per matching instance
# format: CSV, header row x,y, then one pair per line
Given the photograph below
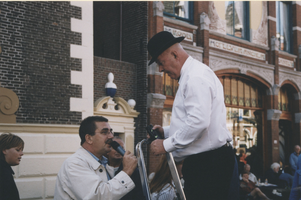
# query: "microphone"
x,y
117,147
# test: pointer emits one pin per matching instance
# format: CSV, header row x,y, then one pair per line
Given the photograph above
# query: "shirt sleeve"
x,y
292,162
84,183
198,94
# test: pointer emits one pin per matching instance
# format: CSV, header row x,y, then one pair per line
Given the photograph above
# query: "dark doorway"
x,y
285,141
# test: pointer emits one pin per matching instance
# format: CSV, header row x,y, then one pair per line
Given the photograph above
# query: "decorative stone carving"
x,y
204,21
114,106
217,24
260,36
236,49
179,33
273,114
155,100
217,63
290,75
285,62
9,104
158,8
275,89
274,44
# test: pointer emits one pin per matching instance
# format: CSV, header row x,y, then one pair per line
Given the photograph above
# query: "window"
x,y
284,25
237,19
241,93
284,99
182,10
170,86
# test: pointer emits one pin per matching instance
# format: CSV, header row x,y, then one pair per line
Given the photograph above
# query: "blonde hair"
x,y
7,141
162,176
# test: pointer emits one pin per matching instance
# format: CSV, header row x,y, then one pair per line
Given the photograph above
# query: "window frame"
x,y
246,14
289,22
190,14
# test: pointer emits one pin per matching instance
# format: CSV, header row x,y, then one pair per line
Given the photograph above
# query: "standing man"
x,y
198,131
294,158
84,176
115,166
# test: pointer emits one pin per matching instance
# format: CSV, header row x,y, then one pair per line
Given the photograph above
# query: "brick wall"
x,y
124,77
134,51
35,59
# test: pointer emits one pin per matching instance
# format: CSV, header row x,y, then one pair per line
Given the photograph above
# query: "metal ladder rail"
x,y
143,173
142,169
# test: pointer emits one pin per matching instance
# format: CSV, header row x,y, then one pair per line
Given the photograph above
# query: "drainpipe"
x,y
120,39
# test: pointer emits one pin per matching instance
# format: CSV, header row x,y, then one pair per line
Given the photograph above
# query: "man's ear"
x,y
88,138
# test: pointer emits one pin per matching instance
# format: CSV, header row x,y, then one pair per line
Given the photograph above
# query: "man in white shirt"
x,y
83,175
197,132
252,177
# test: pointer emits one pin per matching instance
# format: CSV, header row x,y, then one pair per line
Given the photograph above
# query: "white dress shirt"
x,y
252,178
82,177
198,121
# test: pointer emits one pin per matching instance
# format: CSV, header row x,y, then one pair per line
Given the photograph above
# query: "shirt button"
x,y
100,170
122,181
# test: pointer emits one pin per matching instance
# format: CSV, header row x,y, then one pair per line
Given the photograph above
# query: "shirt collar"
x,y
184,67
103,160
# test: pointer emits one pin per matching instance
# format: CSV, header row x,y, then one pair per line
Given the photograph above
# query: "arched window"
x,y
284,99
241,92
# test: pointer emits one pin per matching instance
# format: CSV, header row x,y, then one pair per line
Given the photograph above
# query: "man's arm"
x,y
82,182
292,162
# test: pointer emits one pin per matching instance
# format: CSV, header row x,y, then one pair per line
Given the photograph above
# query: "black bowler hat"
x,y
160,42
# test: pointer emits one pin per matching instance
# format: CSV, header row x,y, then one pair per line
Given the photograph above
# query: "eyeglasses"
x,y
106,131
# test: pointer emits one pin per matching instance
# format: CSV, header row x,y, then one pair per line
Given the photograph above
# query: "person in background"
x,y
161,184
248,187
280,178
84,176
252,177
197,134
294,158
296,187
11,152
114,166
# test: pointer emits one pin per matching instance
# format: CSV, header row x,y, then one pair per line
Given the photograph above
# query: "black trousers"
x,y
211,175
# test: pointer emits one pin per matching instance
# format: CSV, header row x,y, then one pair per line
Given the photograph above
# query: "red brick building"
x,y
254,49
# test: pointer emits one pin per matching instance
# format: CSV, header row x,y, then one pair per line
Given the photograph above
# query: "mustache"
x,y
109,141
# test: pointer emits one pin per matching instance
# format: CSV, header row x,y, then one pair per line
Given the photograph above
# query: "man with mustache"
x,y
84,176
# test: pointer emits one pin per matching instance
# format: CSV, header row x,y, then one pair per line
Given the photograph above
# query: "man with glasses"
x,y
84,176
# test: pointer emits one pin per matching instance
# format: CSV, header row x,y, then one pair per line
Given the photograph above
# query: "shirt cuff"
x,y
125,180
168,146
166,131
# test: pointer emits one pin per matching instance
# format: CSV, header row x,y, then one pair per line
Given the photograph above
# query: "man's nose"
x,y
160,68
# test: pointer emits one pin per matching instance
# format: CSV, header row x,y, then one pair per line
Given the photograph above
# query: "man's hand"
x,y
129,162
157,147
159,129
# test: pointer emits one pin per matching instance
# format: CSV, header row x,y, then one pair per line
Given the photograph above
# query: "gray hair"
x,y
275,165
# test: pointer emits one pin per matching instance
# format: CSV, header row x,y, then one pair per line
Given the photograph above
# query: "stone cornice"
x,y
238,40
180,23
287,54
38,128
